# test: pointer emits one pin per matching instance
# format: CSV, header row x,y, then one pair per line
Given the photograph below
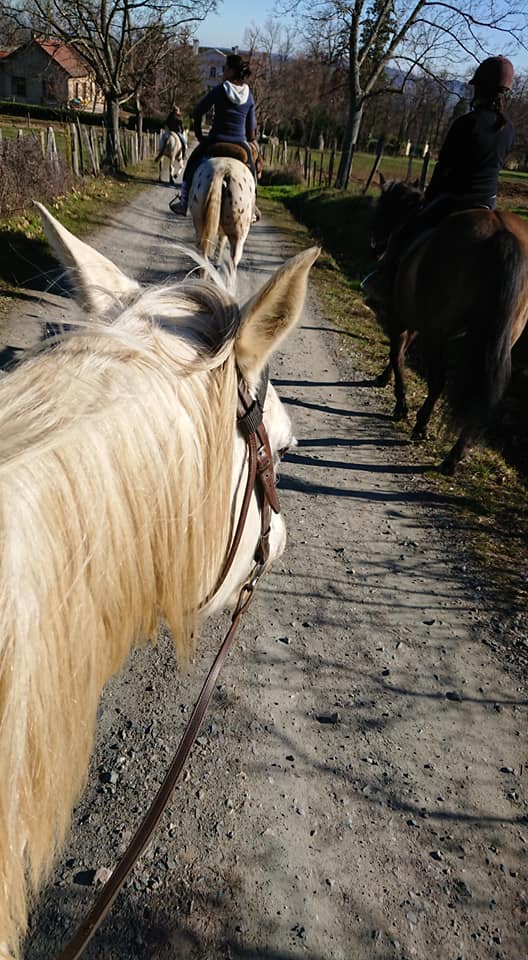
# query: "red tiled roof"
x,y
65,56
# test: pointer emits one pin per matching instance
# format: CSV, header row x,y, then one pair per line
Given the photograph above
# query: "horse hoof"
x,y
400,413
447,467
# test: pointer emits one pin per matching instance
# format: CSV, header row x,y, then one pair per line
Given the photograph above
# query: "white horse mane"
x,y
85,548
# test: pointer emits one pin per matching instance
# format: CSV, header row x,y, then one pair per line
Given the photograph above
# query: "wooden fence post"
x,y
89,149
409,154
306,165
423,175
94,151
74,148
379,153
51,149
79,144
331,167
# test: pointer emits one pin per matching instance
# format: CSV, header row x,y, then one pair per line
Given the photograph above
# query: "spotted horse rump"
x,y
222,201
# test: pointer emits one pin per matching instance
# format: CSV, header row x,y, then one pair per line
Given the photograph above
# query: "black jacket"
x,y
174,123
473,153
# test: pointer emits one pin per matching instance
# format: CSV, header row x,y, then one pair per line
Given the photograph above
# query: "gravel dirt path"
x,y
358,791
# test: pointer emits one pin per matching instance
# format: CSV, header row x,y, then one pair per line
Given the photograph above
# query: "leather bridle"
x,y
262,480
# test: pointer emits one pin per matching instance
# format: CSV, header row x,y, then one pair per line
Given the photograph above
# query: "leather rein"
x,y
260,479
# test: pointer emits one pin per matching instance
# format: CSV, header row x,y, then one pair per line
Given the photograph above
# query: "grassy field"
x,y
392,168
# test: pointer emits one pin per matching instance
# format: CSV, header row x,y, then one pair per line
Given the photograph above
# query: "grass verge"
x,y
24,253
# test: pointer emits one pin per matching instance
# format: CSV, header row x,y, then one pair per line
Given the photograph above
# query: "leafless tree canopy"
x,y
123,41
428,34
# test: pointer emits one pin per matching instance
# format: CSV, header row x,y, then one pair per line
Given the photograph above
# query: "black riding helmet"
x,y
494,75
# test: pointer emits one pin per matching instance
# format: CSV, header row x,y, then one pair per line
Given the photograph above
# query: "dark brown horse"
x,y
462,287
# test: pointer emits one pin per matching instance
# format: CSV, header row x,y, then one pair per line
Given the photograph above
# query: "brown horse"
x,y
462,287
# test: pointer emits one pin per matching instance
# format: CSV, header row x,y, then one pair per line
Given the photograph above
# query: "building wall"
x,y
212,60
29,75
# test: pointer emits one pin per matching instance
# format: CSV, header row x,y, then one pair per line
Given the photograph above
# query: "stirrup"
x,y
178,207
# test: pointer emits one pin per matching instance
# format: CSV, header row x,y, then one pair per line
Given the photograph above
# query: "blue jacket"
x,y
234,113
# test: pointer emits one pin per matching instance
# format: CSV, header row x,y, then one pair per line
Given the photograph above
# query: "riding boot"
x,y
179,205
256,212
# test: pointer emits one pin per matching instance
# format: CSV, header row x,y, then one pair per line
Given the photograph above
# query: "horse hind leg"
x,y
435,385
383,379
397,362
457,453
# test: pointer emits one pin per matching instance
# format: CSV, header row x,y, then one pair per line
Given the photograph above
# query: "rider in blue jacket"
x,y
234,122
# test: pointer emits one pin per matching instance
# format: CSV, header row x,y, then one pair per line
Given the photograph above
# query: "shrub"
x,y
27,176
290,175
37,112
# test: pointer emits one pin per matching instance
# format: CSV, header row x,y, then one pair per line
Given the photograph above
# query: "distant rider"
x,y
174,124
234,122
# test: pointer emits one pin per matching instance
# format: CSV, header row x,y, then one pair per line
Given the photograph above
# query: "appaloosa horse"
x,y
222,202
122,472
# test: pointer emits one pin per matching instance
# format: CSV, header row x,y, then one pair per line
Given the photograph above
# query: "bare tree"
x,y
370,35
11,33
122,41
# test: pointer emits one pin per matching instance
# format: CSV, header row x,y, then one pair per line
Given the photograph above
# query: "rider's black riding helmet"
x,y
494,75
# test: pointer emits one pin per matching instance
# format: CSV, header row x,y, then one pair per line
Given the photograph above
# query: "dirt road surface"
x,y
358,790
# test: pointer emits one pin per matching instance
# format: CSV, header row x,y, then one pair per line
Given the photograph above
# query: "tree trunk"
x,y
139,116
355,115
113,146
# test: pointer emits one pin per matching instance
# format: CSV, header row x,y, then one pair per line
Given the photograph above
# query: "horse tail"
x,y
481,373
212,210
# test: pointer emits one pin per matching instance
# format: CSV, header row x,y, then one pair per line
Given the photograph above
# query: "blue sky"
x,y
226,28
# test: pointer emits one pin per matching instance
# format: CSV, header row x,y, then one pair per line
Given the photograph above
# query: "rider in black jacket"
x,y
466,174
478,143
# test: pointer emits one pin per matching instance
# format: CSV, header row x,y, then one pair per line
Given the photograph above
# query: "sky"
x,y
227,27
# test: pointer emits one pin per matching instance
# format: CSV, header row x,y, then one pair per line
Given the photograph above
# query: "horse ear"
x,y
269,316
382,181
97,282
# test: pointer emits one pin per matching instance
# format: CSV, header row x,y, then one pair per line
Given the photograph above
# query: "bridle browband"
x,y
262,480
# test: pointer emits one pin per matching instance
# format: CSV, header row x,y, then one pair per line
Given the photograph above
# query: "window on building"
x,y
19,86
212,73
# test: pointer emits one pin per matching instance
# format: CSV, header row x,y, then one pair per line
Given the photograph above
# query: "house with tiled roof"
x,y
48,72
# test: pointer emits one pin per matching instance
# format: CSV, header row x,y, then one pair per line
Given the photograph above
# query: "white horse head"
x,y
120,475
221,202
171,148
